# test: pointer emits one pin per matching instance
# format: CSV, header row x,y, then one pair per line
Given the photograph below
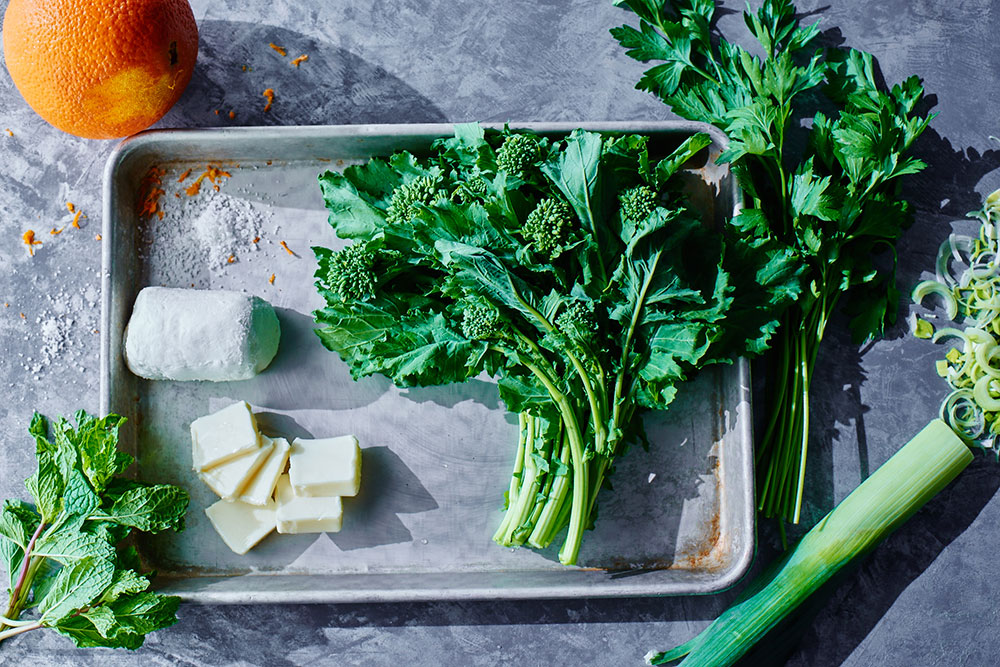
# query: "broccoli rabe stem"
x,y
547,524
515,480
596,402
516,526
581,470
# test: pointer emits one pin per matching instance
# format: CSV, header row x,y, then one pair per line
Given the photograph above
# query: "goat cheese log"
x,y
188,334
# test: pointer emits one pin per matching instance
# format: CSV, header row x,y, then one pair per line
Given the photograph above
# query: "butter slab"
x,y
223,436
260,489
325,467
241,526
306,514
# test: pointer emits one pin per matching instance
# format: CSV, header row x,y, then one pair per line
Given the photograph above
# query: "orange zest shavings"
x,y
301,59
279,49
10,132
77,214
232,115
29,240
271,279
56,232
97,237
213,173
256,239
187,172
150,193
231,259
287,249
269,94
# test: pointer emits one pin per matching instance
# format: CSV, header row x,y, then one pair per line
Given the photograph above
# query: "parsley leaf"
x,y
818,148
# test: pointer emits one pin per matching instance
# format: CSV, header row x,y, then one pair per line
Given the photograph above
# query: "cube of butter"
x,y
241,526
261,488
231,479
222,436
306,514
326,467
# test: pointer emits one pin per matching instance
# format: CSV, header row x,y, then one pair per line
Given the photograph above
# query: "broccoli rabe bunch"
x,y
570,269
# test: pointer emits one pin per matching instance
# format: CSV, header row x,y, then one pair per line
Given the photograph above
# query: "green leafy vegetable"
x,y
62,555
572,270
819,148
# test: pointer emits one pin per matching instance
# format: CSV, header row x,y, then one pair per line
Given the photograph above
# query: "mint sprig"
x,y
67,569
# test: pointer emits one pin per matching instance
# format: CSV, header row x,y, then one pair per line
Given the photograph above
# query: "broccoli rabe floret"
x,y
474,188
577,321
480,322
517,153
637,203
405,199
547,227
352,270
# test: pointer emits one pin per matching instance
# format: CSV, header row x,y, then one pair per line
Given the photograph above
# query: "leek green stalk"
x,y
924,466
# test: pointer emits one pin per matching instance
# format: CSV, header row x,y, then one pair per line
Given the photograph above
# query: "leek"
x,y
924,466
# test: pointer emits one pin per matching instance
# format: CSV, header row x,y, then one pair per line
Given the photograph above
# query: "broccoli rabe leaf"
x,y
569,268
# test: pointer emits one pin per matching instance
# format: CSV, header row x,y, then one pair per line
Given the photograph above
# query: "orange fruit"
x,y
100,69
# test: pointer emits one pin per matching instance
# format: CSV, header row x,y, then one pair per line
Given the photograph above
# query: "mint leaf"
x,y
70,545
75,587
125,581
97,442
149,508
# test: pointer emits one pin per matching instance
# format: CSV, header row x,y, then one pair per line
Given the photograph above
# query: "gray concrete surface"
x,y
925,597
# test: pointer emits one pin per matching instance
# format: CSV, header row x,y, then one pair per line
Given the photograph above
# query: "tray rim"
x,y
150,139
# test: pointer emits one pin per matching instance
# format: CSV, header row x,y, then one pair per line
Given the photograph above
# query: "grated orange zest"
x,y
287,249
271,279
279,49
150,192
269,94
301,59
29,240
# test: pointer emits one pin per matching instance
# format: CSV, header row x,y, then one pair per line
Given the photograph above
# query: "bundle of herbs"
x,y
67,566
819,148
571,269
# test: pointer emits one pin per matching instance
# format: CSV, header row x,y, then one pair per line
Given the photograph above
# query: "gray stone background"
x,y
925,597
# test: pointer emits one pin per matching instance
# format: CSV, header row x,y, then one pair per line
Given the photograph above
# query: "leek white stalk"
x,y
924,466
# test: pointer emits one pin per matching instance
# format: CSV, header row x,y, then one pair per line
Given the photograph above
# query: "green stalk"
x,y
546,526
577,523
515,480
904,483
530,482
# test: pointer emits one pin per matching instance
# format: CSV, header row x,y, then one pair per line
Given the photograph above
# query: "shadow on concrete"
x,y
334,86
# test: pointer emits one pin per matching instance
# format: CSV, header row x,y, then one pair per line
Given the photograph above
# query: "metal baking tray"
x,y
679,519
